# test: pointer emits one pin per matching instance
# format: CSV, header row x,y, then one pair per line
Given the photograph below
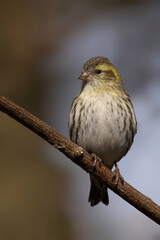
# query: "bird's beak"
x,y
83,76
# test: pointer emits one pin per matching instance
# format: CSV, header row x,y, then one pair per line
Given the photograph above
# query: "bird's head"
x,y
99,71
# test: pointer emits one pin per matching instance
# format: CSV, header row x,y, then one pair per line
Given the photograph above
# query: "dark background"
x,y
43,46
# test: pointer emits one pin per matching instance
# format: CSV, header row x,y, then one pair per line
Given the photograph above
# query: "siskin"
x,y
102,119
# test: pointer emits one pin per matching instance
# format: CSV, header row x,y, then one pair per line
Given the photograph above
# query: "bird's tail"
x,y
98,192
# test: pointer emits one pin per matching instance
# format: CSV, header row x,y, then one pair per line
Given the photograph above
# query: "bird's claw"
x,y
96,159
117,176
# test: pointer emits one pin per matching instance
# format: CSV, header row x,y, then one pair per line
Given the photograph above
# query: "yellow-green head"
x,y
101,73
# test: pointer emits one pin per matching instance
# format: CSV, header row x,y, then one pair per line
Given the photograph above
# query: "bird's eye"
x,y
98,71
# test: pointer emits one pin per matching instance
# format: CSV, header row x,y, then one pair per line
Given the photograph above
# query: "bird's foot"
x,y
95,160
117,176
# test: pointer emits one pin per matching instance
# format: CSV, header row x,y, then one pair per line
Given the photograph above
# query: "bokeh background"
x,y
43,46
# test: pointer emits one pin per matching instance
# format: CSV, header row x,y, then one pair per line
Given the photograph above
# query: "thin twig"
x,y
81,158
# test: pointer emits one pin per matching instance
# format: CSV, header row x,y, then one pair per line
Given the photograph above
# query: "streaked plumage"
x,y
102,118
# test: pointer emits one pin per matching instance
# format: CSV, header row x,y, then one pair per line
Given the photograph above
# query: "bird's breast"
x,y
100,126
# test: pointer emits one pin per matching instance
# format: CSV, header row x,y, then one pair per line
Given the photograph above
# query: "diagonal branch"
x,y
81,158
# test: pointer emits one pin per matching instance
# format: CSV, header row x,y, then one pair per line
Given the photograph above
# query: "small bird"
x,y
102,119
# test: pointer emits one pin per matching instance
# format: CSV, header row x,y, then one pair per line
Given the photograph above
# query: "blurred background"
x,y
43,46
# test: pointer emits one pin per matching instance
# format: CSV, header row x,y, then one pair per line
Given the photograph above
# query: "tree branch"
x,y
82,158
